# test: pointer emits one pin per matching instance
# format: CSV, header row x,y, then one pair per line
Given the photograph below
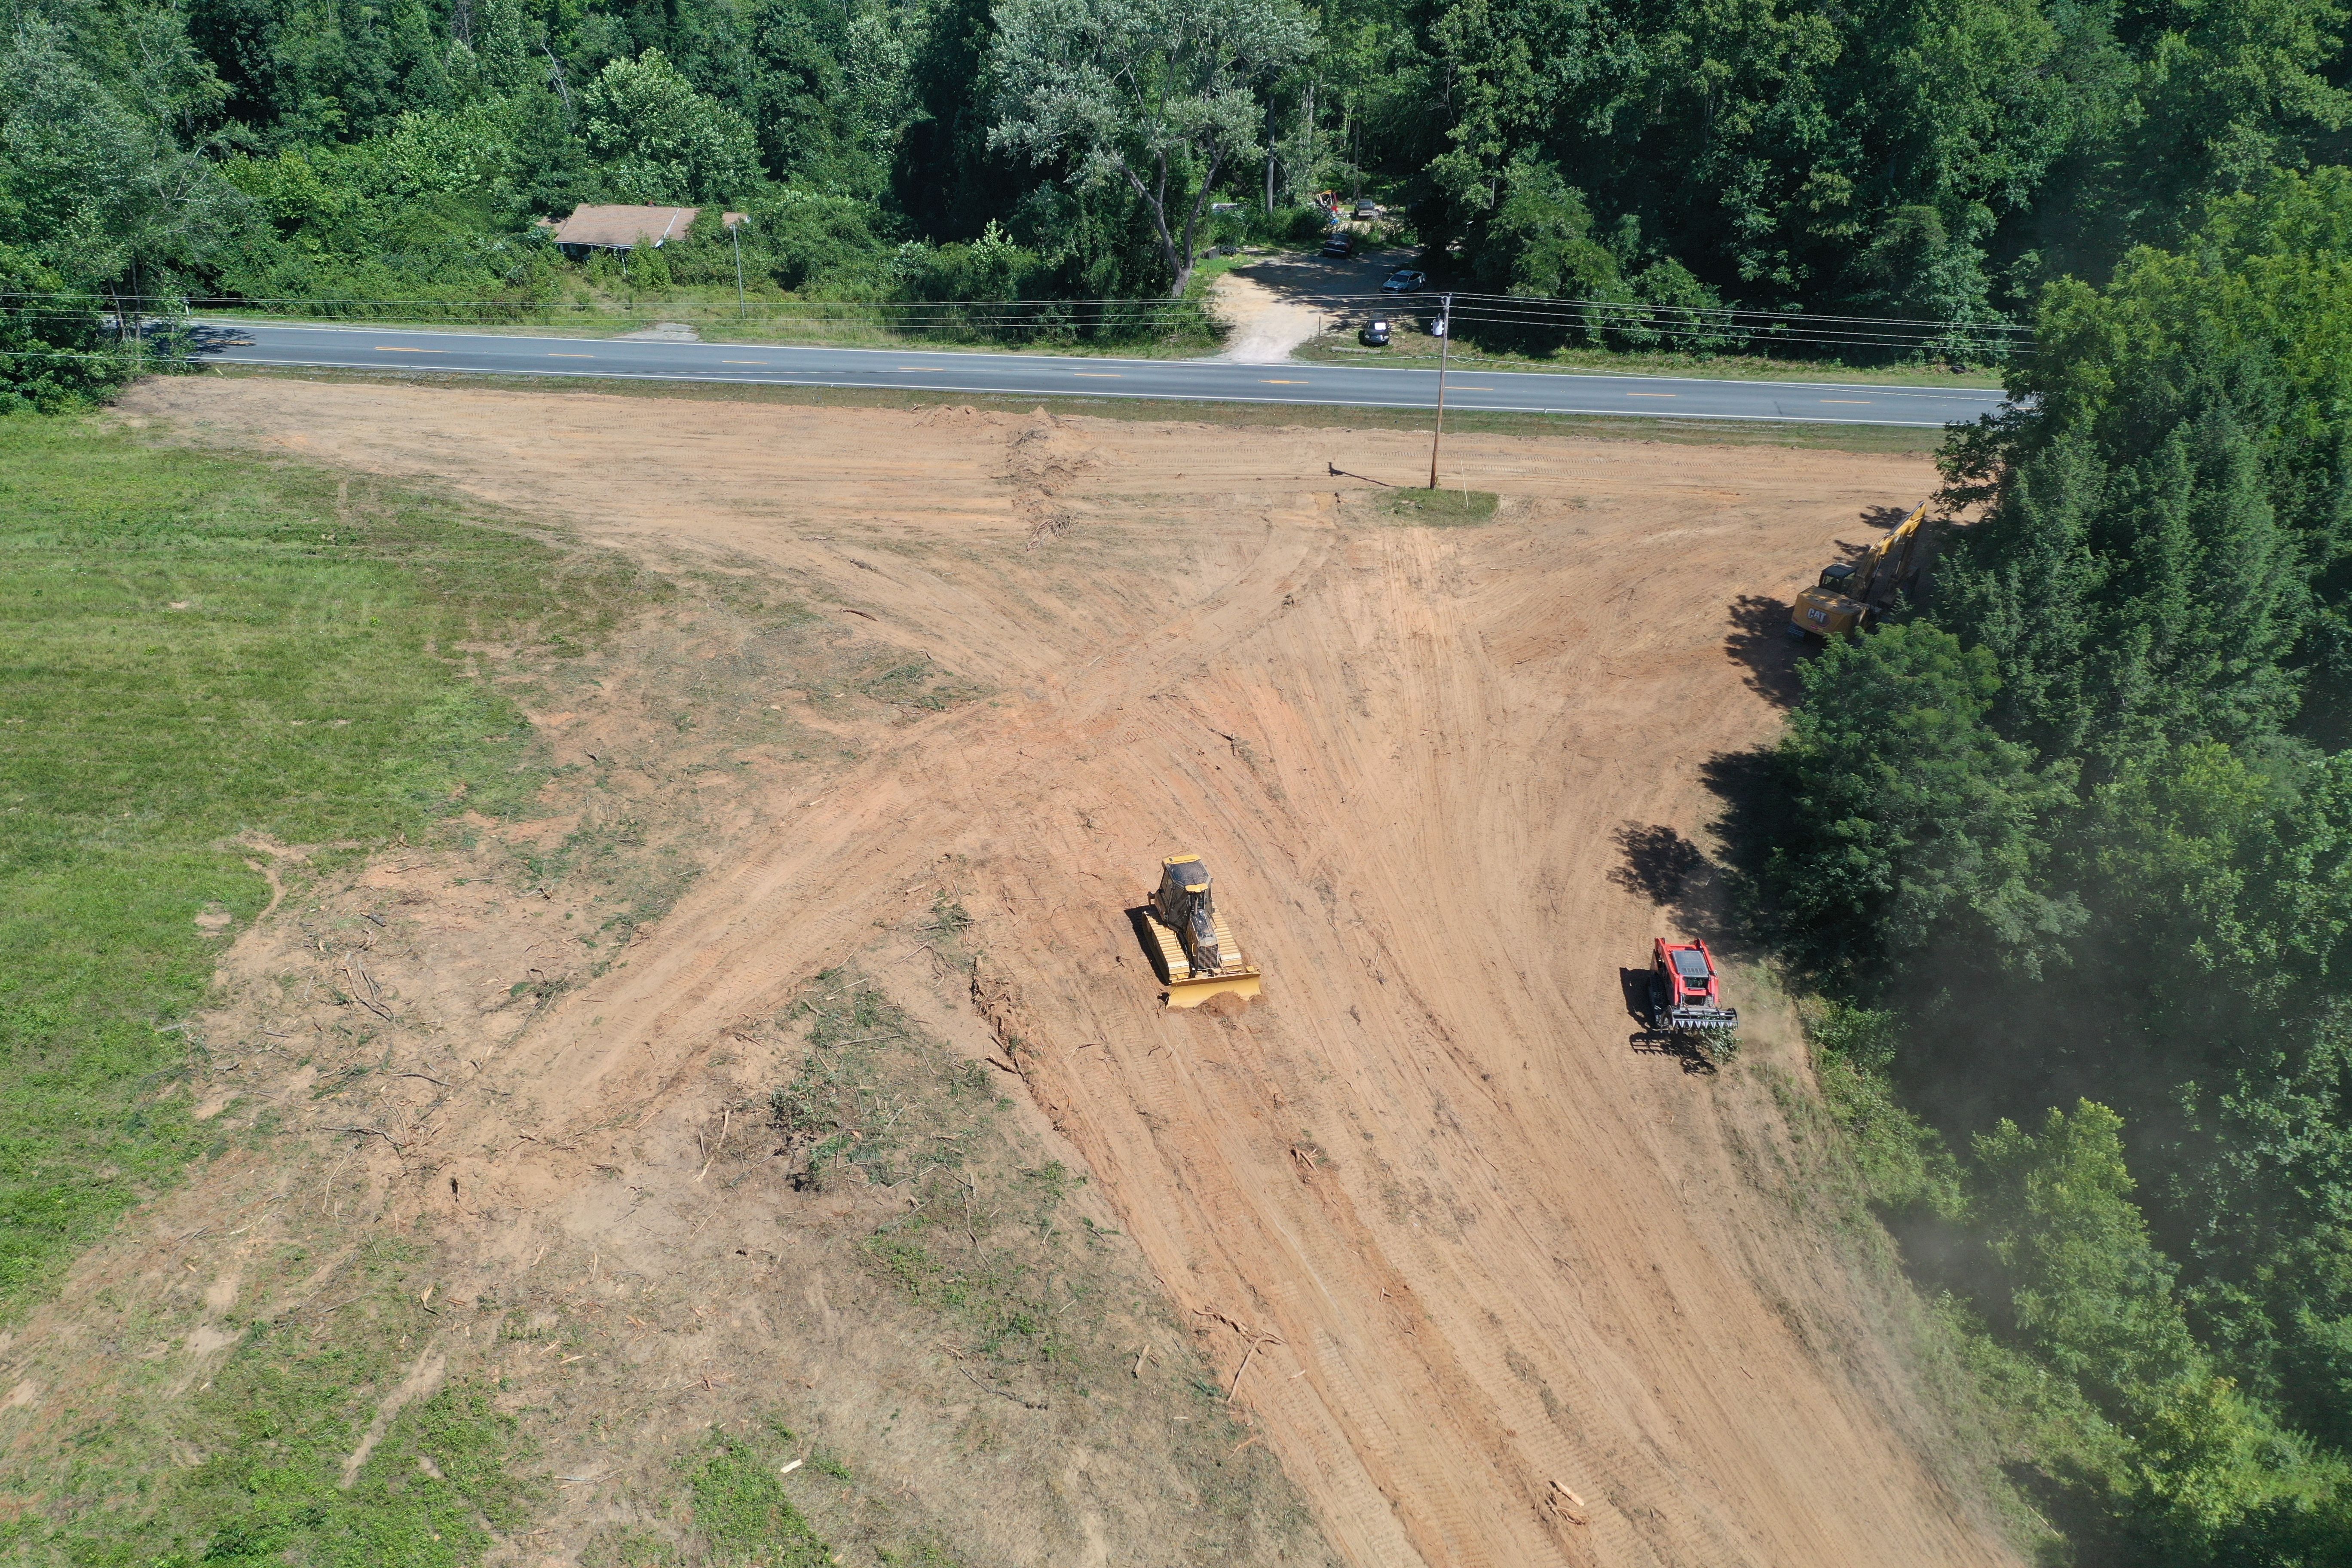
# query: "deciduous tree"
x,y
1157,95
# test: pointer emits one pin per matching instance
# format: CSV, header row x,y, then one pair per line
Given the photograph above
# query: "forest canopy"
x,y
1942,161
2068,845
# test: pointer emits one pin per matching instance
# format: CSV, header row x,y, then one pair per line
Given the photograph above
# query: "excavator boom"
x,y
1848,595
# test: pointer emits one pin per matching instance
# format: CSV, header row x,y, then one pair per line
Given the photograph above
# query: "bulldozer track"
x,y
1527,1255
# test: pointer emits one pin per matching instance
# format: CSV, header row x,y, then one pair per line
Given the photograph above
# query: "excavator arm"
x,y
1847,595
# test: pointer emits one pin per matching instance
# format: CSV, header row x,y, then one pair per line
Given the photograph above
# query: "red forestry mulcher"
x,y
1685,998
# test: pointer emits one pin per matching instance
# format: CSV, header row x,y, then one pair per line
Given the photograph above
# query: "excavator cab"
x,y
1828,608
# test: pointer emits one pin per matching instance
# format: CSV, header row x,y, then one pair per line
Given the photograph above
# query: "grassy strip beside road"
x,y
1147,329
1412,348
1239,415
201,649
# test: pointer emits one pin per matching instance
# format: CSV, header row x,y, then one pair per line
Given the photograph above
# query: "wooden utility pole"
x,y
735,230
1445,346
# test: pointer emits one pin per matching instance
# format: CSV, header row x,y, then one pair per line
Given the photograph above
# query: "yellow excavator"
x,y
1848,594
1198,955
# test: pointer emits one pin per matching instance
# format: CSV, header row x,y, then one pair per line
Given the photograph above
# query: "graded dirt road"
x,y
1269,307
1463,1250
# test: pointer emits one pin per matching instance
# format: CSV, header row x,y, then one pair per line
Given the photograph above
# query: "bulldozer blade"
x,y
1195,989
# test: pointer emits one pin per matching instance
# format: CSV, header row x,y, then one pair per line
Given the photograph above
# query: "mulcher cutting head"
x,y
1683,989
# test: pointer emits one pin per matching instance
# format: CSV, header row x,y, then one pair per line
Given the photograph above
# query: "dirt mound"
x,y
1042,461
1459,1250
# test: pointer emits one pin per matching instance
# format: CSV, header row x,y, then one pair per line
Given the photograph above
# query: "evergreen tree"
x,y
503,46
1911,817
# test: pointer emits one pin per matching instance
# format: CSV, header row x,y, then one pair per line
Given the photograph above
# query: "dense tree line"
x,y
2077,836
1939,161
317,149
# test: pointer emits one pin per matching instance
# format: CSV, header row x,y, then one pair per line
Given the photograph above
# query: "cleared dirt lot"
x,y
1476,1251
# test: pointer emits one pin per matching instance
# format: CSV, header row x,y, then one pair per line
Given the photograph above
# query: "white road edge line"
x,y
1616,413
1992,394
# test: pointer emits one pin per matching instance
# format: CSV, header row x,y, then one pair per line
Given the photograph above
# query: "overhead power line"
x,y
1617,322
1723,326
1732,324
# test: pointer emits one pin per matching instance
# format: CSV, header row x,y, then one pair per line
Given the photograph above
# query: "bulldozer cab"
x,y
1837,578
1182,904
1192,949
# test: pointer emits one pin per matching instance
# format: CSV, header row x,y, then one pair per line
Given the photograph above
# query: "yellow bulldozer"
x,y
1198,956
1850,594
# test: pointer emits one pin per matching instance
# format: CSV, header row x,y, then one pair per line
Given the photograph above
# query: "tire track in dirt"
x,y
1521,1254
1349,1251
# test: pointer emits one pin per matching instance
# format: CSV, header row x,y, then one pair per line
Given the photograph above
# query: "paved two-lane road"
x,y
1028,375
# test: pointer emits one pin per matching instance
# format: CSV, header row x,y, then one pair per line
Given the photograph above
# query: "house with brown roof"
x,y
595,228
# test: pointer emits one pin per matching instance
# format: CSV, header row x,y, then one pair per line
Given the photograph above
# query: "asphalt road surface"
x,y
1026,375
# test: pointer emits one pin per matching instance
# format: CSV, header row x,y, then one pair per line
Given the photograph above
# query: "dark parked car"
x,y
1339,244
1374,335
1405,280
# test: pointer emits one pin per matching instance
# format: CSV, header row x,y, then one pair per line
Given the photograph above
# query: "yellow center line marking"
x,y
1100,374
1270,383
742,361
1853,400
388,349
1654,394
571,356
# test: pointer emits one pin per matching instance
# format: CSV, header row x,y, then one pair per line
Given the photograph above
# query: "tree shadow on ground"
x,y
1659,861
1665,868
1754,818
1760,640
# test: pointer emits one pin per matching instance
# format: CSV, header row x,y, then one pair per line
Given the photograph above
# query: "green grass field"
x,y
1416,349
256,1468
196,649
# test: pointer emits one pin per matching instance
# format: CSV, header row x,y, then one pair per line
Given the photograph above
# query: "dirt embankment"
x,y
1462,1251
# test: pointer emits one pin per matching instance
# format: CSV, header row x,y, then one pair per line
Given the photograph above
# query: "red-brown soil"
x,y
1478,1251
